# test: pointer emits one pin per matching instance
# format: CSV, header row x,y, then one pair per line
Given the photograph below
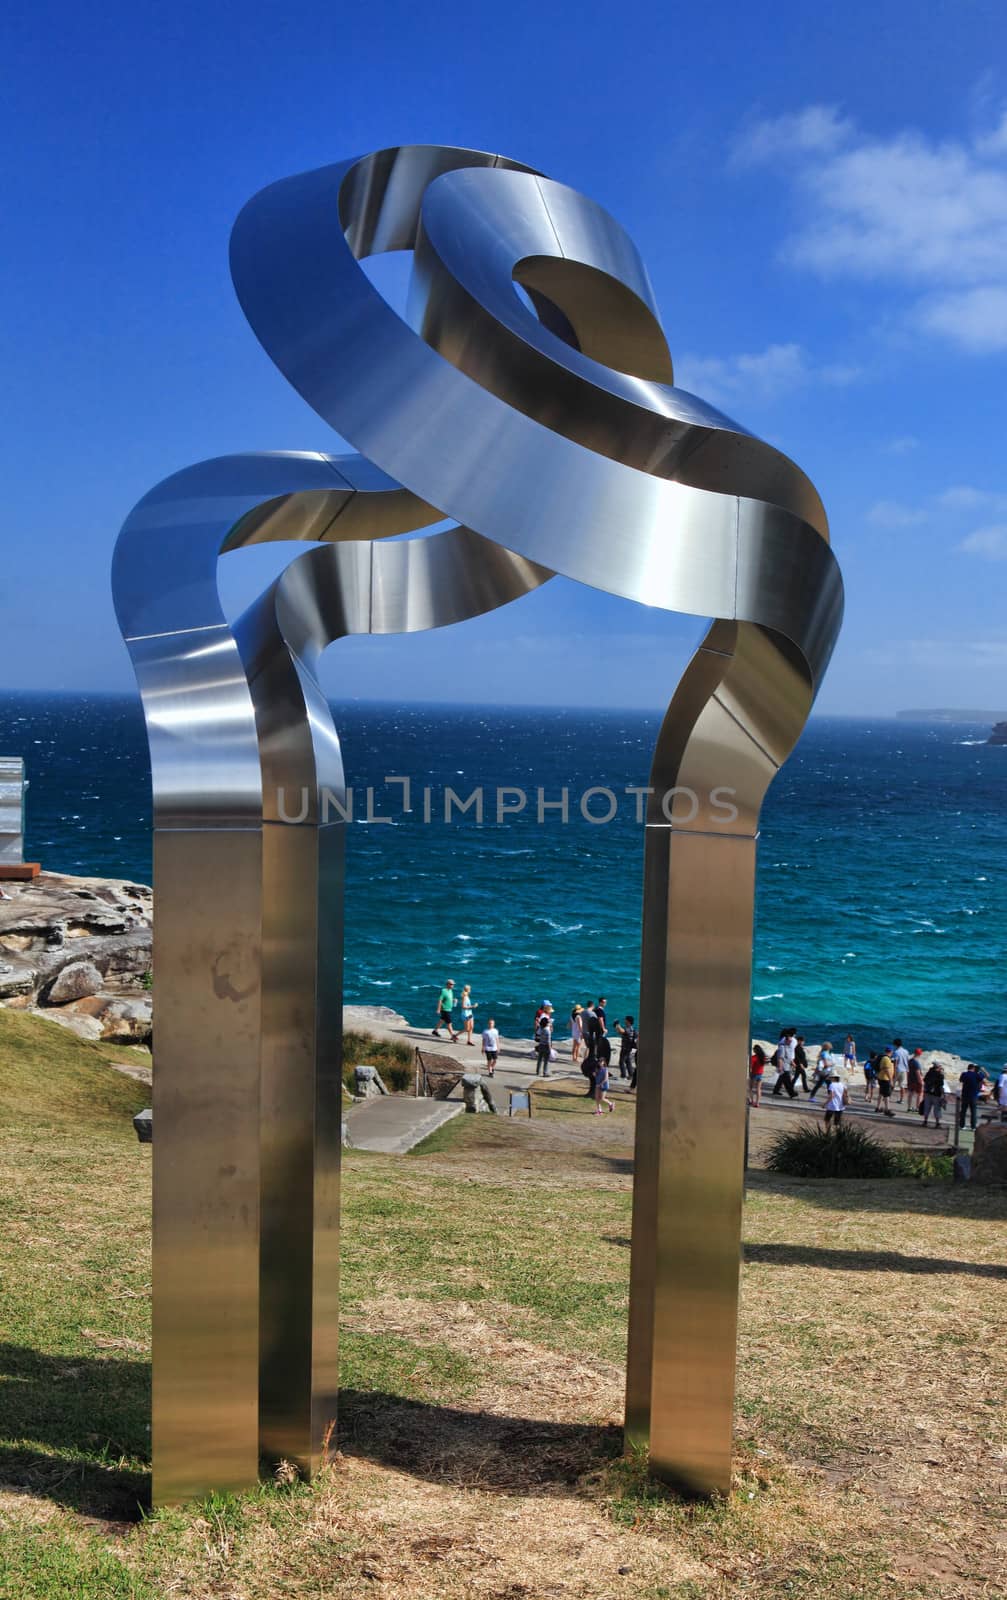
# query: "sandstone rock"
x,y
69,1017
17,978
63,939
76,980
120,1020
989,1153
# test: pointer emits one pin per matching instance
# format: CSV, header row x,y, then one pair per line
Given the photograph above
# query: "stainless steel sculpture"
x,y
557,442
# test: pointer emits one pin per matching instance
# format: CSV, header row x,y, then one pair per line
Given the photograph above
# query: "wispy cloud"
x,y
948,511
924,215
892,514
990,542
903,445
764,374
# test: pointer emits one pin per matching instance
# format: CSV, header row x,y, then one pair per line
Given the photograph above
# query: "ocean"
x,y
882,895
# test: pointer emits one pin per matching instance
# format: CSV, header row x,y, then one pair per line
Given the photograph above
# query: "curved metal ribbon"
x,y
550,430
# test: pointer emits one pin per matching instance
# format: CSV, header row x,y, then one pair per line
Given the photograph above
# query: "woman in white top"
x,y
468,1007
576,1033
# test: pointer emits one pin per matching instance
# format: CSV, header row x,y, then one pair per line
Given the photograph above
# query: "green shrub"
x,y
923,1164
392,1057
812,1151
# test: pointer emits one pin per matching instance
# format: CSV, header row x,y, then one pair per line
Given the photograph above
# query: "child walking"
x,y
600,1085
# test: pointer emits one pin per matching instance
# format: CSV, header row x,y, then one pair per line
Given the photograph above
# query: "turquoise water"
x,y
881,900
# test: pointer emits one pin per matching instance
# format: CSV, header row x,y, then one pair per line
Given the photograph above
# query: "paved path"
x,y
394,1123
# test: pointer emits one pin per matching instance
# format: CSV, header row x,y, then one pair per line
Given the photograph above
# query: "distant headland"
x,y
944,715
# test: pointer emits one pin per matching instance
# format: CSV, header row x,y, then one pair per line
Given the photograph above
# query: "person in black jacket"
x,y
933,1095
800,1074
627,1045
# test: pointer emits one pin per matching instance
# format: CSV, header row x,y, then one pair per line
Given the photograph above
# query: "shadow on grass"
x,y
927,1197
75,1432
474,1449
75,1429
801,1255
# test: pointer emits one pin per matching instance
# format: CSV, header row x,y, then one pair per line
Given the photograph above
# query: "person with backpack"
x,y
627,1044
884,1073
543,1044
784,1074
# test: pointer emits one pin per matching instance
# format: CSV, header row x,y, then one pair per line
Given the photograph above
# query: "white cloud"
x,y
924,215
902,446
963,497
765,374
976,319
890,514
990,542
812,131
994,143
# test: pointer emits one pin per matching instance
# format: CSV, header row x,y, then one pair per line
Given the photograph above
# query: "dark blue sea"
x,y
882,895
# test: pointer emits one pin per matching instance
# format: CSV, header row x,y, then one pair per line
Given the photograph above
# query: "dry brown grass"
x,y
479,1448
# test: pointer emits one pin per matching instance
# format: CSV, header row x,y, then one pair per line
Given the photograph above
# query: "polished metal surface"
x,y
557,442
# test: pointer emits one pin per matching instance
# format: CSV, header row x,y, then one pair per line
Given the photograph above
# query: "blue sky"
x,y
820,195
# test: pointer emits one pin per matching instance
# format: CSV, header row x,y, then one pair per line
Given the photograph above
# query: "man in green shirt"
x,y
445,1006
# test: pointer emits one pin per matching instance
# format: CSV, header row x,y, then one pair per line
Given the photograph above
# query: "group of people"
x,y
890,1074
590,1044
589,1033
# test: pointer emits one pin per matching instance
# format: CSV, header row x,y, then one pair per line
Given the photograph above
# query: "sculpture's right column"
x,y
690,1137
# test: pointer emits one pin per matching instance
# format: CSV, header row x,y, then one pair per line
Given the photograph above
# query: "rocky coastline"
x,y
77,951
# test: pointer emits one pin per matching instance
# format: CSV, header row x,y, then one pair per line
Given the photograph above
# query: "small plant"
x,y
811,1151
393,1059
147,981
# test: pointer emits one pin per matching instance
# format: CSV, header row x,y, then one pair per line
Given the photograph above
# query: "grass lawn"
x,y
483,1340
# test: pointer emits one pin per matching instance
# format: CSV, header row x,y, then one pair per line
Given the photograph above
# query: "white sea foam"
x,y
767,997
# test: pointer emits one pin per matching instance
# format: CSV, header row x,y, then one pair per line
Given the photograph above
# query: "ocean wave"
x,y
559,927
767,997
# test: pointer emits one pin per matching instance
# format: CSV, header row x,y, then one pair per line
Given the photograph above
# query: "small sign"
x,y
519,1100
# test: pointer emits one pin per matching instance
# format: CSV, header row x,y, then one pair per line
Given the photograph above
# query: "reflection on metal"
x,y
556,440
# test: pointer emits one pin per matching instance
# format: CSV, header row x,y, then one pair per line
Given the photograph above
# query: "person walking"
x,y
1002,1094
627,1045
756,1071
825,1066
914,1081
468,1006
870,1066
543,1044
850,1053
900,1058
784,1074
601,1012
491,1046
799,1070
884,1072
970,1083
836,1101
933,1095
576,1033
601,1083
445,1005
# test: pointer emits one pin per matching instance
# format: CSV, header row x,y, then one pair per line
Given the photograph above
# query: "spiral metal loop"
x,y
529,398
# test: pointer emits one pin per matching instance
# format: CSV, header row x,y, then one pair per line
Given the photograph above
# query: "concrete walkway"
x,y
392,1124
